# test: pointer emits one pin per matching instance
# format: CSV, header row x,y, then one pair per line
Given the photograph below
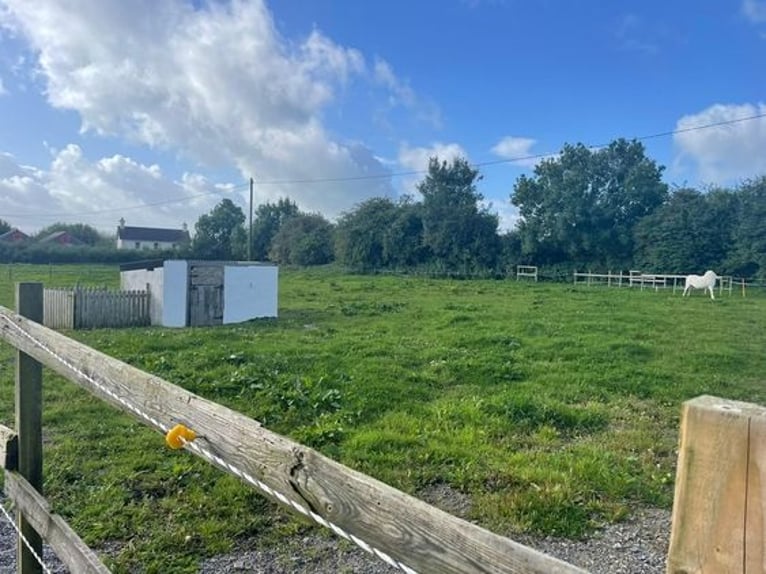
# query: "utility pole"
x,y
250,232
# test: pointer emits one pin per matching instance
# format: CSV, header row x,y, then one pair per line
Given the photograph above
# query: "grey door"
x,y
205,295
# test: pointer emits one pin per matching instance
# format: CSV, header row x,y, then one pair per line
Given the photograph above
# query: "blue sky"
x,y
154,110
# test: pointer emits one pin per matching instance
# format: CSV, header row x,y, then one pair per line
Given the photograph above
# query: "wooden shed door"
x,y
205,295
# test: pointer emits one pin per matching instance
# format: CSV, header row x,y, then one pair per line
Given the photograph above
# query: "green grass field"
x,y
554,408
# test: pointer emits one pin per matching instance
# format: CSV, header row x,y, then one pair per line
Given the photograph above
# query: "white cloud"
x,y
74,189
3,91
726,153
401,94
517,149
754,10
634,35
218,83
417,158
507,213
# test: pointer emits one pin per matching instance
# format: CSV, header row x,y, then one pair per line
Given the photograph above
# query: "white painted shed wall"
x,y
137,280
249,292
175,293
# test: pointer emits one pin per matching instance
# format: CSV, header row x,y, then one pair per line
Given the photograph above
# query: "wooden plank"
x,y
755,529
29,410
69,548
206,274
9,448
720,494
420,536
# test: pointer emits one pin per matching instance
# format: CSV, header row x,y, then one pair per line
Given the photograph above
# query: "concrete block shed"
x,y
198,293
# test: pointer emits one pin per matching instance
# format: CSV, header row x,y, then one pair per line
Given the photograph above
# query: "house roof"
x,y
59,234
152,234
13,235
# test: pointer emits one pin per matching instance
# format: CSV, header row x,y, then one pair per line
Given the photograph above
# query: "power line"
x,y
504,160
132,207
388,175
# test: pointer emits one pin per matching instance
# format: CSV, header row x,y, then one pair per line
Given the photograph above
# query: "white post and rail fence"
x,y
718,516
654,281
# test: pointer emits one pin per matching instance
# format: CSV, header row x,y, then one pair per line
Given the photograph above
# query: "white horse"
x,y
706,281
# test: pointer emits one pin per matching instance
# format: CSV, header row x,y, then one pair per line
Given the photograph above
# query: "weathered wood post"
x,y
720,498
29,377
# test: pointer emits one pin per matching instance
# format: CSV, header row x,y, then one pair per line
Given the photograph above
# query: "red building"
x,y
14,236
61,238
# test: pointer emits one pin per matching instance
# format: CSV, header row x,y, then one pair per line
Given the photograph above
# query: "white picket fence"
x,y
92,308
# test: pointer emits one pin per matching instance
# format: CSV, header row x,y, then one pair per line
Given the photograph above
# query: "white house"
x,y
150,237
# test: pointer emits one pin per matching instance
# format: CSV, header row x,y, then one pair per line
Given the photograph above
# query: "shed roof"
x,y
152,234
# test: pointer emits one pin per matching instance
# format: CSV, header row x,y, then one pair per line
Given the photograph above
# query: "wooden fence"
x,y
526,271
91,308
718,514
654,281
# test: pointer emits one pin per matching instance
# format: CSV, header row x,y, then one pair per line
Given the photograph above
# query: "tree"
x,y
305,239
360,234
690,233
403,244
748,256
459,234
217,232
82,232
5,227
268,219
583,205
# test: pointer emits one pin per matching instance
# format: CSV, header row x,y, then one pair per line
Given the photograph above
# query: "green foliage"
x,y
460,235
219,234
305,239
403,243
5,227
84,233
554,410
53,253
583,205
691,232
268,219
360,235
748,256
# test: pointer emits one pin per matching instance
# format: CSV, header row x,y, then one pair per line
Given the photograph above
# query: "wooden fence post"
x,y
29,376
720,498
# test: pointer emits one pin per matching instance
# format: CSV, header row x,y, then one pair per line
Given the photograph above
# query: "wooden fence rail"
x,y
70,549
396,527
90,308
651,280
526,271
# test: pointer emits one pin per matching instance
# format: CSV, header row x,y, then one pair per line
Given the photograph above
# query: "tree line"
x,y
581,209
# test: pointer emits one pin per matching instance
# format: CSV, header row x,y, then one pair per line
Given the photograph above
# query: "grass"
x,y
554,408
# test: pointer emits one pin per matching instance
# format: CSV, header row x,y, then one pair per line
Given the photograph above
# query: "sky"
x,y
155,110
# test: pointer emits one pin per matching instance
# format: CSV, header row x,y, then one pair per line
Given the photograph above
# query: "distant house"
x,y
150,237
61,238
14,236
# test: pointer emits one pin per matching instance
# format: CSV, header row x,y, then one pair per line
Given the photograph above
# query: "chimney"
x,y
122,222
184,226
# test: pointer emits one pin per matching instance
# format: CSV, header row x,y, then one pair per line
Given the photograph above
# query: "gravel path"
x,y
8,547
636,546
